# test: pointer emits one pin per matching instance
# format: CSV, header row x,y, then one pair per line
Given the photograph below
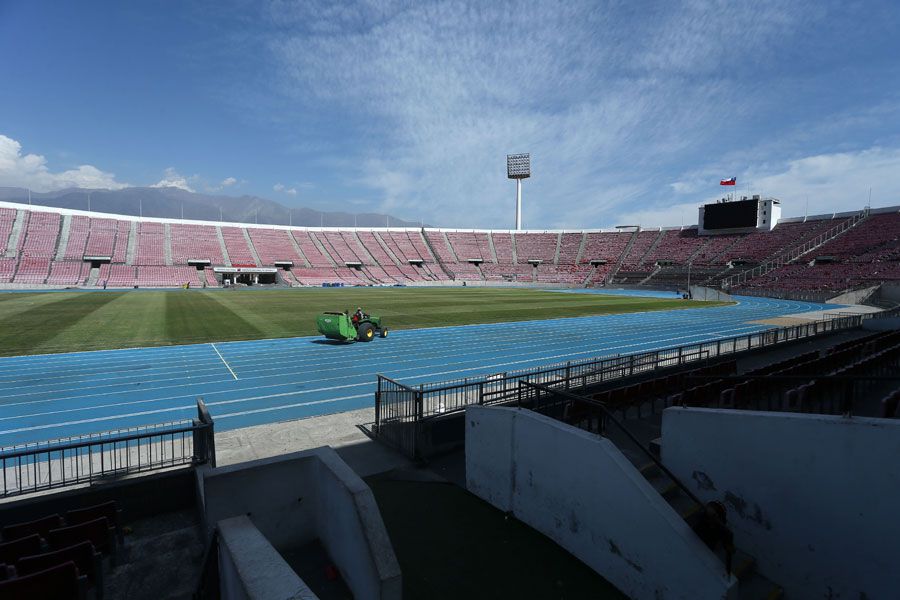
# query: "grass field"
x,y
34,323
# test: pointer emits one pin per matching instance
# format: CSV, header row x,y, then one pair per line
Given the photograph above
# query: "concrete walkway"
x,y
817,315
339,431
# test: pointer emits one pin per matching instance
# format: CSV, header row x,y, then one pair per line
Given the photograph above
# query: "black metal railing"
x,y
553,401
400,408
46,465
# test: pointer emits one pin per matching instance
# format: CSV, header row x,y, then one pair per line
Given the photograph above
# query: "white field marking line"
x,y
510,327
148,412
224,362
761,303
479,366
620,331
287,406
368,382
237,400
232,401
135,378
267,359
294,356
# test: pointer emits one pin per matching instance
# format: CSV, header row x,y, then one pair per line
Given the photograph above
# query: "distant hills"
x,y
175,203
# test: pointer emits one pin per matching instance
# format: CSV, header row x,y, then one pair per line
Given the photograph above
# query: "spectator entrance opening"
x,y
247,275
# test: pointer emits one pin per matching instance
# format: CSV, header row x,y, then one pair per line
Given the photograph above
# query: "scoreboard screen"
x,y
730,215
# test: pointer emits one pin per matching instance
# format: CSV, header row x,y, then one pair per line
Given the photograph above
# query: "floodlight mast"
x,y
518,167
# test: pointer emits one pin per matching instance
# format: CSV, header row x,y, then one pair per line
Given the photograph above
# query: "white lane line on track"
x,y
756,304
246,399
480,366
291,365
224,362
292,356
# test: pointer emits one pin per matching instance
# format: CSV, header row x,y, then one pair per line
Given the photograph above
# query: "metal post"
x,y
518,204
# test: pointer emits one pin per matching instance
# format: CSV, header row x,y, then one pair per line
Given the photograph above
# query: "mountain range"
x,y
176,203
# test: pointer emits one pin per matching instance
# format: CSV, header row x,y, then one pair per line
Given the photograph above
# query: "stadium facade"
x,y
815,257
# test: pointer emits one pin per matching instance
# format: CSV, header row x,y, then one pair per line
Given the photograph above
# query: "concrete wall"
x,y
349,525
853,297
814,498
580,491
251,569
296,498
704,293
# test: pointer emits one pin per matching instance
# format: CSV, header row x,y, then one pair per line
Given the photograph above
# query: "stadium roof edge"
x,y
101,215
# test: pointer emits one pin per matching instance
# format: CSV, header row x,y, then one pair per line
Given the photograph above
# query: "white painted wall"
x,y
580,490
295,498
815,498
251,569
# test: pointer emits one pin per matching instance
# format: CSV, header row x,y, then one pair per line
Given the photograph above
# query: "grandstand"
x,y
608,450
57,247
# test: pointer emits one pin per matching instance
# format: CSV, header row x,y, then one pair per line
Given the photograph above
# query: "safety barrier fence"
x,y
40,466
401,409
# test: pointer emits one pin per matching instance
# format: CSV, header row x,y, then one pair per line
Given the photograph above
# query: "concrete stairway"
x,y
297,249
434,255
491,246
132,243
14,235
752,584
615,270
652,248
222,247
65,228
167,244
386,248
321,247
251,247
646,424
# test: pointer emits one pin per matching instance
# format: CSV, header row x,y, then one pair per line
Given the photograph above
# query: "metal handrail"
x,y
792,254
99,442
32,467
608,416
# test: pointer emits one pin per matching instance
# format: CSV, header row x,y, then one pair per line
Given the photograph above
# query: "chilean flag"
x,y
732,181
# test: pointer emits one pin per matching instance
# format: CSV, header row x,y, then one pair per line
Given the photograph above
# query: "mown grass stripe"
x,y
92,321
26,330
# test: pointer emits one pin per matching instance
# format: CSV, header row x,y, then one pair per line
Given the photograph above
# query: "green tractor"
x,y
340,326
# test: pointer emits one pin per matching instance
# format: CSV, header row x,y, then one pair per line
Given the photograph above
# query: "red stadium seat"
x,y
61,582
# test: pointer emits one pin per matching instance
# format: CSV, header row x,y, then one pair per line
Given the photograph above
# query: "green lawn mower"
x,y
340,326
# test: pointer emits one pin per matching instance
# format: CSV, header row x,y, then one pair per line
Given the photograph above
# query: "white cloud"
x,y
834,182
597,96
31,171
280,187
229,181
174,180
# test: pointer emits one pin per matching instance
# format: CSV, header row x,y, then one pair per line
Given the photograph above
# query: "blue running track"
x,y
250,383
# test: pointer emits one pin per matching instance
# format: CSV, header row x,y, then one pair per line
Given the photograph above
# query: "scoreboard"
x,y
730,215
739,216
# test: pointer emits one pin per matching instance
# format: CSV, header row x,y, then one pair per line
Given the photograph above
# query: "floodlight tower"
x,y
518,167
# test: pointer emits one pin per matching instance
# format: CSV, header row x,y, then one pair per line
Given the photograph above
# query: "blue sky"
x,y
632,110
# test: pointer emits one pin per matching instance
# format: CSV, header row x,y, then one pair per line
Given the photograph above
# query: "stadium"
x,y
447,299
643,361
